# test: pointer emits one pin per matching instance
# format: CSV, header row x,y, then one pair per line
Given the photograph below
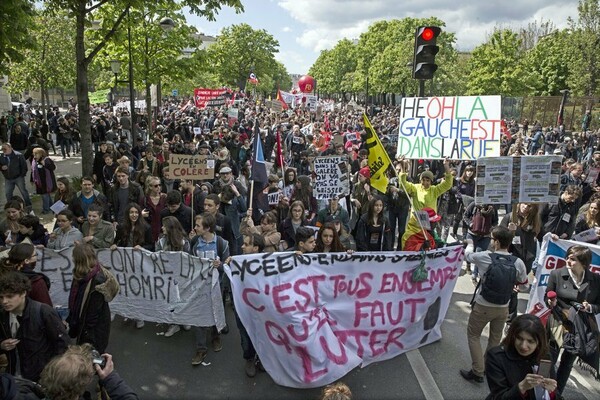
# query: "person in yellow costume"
x,y
423,195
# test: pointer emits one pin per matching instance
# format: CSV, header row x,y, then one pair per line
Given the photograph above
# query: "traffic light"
x,y
424,65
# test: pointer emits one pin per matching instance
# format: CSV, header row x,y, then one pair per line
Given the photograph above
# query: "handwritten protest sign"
x,y
460,128
333,178
314,317
506,180
552,256
168,287
232,116
185,166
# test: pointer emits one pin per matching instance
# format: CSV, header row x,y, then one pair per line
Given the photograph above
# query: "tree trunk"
x,y
44,94
81,89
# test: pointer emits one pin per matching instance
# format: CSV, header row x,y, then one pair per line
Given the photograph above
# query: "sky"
x,y
305,27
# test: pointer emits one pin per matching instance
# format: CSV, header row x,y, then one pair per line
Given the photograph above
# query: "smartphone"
x,y
544,368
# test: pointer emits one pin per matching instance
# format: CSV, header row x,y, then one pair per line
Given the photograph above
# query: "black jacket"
x,y
567,293
135,196
527,248
42,336
91,323
554,218
184,215
76,205
16,163
364,231
504,370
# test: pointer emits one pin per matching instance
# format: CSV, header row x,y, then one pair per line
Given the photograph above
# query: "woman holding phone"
x,y
515,369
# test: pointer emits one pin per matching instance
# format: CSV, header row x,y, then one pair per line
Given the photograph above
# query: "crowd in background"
x,y
132,199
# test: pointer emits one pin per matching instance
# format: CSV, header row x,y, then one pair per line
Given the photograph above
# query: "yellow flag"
x,y
379,161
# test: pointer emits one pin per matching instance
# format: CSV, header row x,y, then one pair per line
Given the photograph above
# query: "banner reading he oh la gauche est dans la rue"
x,y
166,286
460,128
314,317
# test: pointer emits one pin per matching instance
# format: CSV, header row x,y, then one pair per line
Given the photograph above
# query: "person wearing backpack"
x,y
479,218
501,271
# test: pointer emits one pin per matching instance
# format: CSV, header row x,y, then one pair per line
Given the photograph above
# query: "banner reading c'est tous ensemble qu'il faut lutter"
x,y
312,318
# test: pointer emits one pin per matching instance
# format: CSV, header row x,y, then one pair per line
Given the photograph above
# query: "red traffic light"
x,y
427,34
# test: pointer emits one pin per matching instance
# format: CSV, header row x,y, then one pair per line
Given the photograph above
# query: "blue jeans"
x,y
247,346
46,202
480,243
66,143
9,188
202,333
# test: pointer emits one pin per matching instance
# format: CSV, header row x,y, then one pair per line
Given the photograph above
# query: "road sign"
x,y
175,93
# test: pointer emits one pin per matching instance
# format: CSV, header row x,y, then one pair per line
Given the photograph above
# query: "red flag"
x,y
504,129
280,98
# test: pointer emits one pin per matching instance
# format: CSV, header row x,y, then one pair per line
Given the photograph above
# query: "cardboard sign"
x,y
333,179
185,166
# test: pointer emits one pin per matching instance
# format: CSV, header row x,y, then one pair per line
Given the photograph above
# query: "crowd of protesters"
x,y
131,199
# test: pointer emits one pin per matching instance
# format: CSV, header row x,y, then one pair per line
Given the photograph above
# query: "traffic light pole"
x,y
421,88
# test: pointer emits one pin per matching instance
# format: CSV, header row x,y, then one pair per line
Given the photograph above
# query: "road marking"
x,y
430,389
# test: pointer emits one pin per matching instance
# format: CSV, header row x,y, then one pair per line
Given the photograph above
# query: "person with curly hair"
x,y
68,376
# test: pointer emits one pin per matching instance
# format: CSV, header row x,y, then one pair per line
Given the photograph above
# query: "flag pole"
x,y
251,193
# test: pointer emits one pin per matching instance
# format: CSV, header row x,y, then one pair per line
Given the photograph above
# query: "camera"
x,y
97,359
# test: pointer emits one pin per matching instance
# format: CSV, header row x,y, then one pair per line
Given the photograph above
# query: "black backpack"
x,y
499,280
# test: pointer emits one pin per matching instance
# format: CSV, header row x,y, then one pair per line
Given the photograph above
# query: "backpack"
x,y
499,280
481,224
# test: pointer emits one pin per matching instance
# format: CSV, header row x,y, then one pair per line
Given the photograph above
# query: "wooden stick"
x,y
251,192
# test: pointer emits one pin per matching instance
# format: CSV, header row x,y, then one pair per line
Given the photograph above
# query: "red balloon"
x,y
306,84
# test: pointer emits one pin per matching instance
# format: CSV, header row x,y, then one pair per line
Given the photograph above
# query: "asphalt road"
x,y
160,368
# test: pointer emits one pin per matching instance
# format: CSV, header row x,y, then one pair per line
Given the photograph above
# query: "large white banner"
x,y
312,318
460,128
167,287
552,256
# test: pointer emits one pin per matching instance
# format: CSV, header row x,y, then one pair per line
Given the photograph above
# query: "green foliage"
x,y
584,41
496,68
382,54
239,50
17,16
335,68
50,63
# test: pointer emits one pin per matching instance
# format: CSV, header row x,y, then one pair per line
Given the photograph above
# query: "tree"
x,y
84,11
17,16
384,55
496,66
334,69
158,52
50,63
240,50
547,64
584,43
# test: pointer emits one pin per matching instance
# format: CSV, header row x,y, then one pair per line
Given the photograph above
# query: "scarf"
x,y
37,177
78,289
582,340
